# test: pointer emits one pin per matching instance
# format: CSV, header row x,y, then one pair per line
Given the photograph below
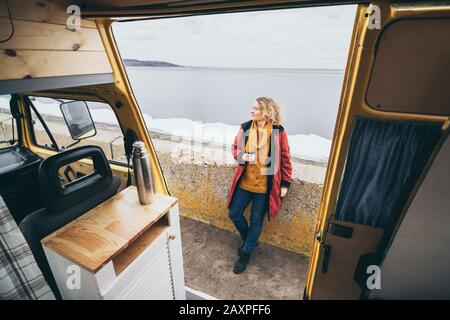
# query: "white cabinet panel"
x,y
148,277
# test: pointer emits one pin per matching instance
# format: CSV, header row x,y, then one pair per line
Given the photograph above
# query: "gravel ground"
x,y
209,254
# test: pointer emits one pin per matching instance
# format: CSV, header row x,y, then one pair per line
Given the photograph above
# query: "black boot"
x,y
241,263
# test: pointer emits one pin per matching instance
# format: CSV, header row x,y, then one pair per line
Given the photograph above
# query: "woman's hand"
x,y
283,191
248,157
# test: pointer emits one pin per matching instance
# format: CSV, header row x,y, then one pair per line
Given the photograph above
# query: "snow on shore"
x,y
309,147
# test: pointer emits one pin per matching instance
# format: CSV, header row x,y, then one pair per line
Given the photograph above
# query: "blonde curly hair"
x,y
271,109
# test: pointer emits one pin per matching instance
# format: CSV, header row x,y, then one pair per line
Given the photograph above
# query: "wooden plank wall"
x,y
43,46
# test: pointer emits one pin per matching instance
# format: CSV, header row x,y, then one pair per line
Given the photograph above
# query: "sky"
x,y
294,38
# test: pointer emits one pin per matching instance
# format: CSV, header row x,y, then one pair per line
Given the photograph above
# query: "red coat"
x,y
279,155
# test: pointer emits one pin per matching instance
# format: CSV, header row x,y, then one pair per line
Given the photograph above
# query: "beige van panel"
x,y
412,67
337,282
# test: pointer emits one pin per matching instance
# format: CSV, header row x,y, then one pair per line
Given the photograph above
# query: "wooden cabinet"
x,y
120,250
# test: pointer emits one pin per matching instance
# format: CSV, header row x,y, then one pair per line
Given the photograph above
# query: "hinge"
x,y
319,237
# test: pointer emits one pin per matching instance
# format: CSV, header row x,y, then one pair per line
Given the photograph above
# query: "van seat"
x,y
65,203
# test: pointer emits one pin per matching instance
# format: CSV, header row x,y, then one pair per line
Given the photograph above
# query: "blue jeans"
x,y
241,199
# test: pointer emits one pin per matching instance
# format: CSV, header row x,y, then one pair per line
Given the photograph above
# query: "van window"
x,y
109,136
8,125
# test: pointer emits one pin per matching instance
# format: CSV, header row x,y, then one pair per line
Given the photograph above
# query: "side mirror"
x,y
78,119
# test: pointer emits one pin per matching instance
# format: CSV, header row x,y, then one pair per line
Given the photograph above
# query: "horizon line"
x,y
223,67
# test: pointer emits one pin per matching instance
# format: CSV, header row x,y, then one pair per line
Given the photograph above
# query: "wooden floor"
x,y
209,254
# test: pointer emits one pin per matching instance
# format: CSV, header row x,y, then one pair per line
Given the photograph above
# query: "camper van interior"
x,y
384,210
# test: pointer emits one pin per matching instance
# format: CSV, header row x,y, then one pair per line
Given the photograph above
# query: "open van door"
x,y
375,206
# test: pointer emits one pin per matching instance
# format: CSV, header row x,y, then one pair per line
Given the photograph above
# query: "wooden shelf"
x,y
104,232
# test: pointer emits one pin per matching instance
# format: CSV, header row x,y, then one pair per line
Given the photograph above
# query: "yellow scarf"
x,y
255,175
258,141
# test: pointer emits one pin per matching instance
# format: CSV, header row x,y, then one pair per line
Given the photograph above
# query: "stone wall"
x,y
201,182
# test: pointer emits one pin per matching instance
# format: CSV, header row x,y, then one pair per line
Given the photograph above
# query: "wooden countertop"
x,y
96,237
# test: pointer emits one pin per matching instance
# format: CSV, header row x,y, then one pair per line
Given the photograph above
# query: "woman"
x,y
263,175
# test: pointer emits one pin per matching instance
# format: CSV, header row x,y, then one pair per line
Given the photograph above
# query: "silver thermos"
x,y
143,173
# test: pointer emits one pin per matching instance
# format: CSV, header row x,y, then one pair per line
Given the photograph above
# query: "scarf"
x,y
259,141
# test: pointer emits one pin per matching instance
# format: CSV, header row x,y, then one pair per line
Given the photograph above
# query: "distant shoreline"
x,y
146,63
164,64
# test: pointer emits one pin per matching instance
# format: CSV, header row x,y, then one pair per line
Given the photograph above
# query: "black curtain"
x,y
384,161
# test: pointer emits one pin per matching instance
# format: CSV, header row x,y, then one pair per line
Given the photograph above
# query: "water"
x,y
309,97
